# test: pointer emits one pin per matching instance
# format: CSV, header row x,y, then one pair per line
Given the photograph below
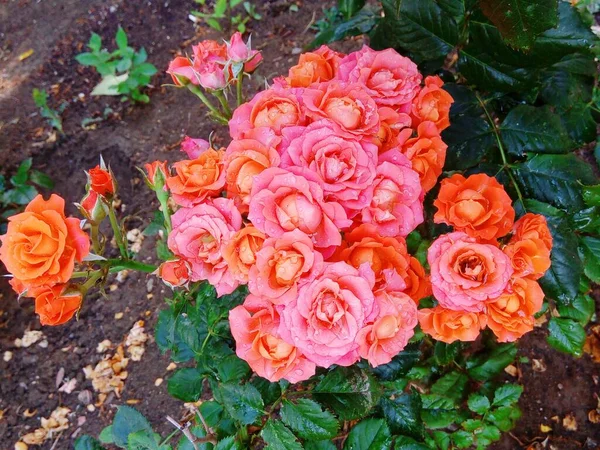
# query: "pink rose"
x,y
193,147
281,264
254,60
396,207
389,333
182,71
209,51
212,76
254,326
348,105
344,166
465,273
283,201
237,50
327,315
390,78
198,237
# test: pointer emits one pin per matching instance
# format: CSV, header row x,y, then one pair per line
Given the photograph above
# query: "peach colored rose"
x,y
390,331
282,201
465,273
329,311
533,226
391,125
101,181
56,304
344,166
245,159
254,326
41,245
174,273
477,205
449,326
427,154
432,104
209,51
199,236
313,67
396,207
281,264
198,179
346,104
390,78
241,250
510,316
529,257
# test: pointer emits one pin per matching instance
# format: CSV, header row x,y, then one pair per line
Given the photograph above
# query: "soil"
x,y
128,136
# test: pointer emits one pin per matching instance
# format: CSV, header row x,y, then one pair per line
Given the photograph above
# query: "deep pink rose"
x,y
254,60
237,49
198,237
396,207
344,166
390,331
328,313
254,326
283,201
193,147
390,78
465,273
281,263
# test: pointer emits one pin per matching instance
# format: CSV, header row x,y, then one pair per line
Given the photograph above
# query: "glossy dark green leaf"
x,y
127,421
451,385
442,439
87,442
232,368
403,415
228,443
487,434
197,431
439,418
400,364
278,437
462,439
490,363
566,335
319,445
186,384
370,434
361,23
478,403
507,395
581,309
349,8
590,247
145,440
168,339
22,174
445,354
308,420
242,402
41,179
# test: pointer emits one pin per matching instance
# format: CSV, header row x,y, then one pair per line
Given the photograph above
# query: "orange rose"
x,y
432,104
533,226
175,273
55,304
477,205
427,153
197,179
510,316
448,326
153,169
417,281
240,251
41,245
320,65
529,257
392,124
101,181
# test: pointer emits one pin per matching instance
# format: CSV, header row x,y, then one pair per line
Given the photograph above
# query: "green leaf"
x,y
361,23
400,364
520,21
127,421
140,56
442,439
566,335
40,98
406,443
439,418
87,59
242,402
486,435
186,384
489,364
22,174
233,368
349,391
229,443
451,385
479,404
581,309
319,445
507,395
403,415
87,442
369,434
590,247
445,354
167,337
270,392
144,440
308,420
95,43
121,39
197,431
462,439
279,437
530,129
41,179
21,195
349,8
106,435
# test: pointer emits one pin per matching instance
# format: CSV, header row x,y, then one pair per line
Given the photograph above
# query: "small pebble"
x,y
91,408
7,357
21,446
118,316
158,382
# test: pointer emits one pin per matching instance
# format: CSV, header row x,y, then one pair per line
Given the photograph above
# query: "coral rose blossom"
x,y
56,304
199,235
175,273
477,205
389,333
427,154
432,103
533,226
101,181
240,252
390,78
348,105
328,313
41,245
529,257
510,316
320,65
449,326
254,326
417,281
282,201
345,167
396,208
391,123
197,179
280,265
246,158
207,52
464,273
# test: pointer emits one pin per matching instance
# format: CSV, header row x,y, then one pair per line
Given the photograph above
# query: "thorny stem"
x,y
164,206
213,109
223,101
116,265
239,91
117,230
95,236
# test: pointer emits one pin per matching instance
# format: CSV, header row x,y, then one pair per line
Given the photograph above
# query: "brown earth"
x,y
57,30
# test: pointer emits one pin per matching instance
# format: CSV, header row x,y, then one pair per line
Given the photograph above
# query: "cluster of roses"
x,y
324,177
476,280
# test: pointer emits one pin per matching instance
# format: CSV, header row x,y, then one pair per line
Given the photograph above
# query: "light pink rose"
x,y
254,326
328,313
283,201
193,147
281,264
212,76
465,273
344,166
237,50
396,207
390,78
389,333
346,104
199,236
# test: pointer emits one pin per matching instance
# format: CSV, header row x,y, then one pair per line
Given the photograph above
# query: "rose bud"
x,y
157,174
212,77
182,71
254,60
237,49
193,147
101,180
92,207
175,273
